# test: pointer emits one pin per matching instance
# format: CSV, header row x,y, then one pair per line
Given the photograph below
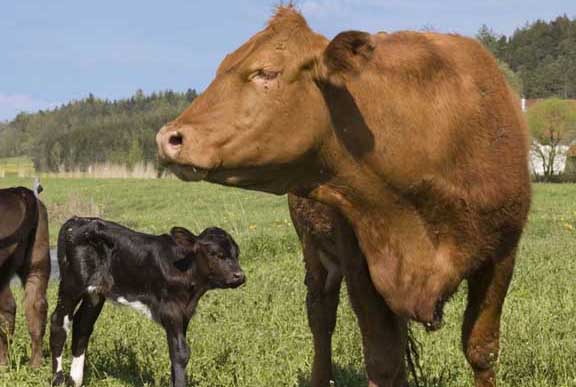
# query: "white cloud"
x,y
12,104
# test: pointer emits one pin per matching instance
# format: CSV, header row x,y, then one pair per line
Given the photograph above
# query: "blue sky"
x,y
55,51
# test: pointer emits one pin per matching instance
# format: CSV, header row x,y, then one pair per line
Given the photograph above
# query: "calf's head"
x,y
262,121
215,255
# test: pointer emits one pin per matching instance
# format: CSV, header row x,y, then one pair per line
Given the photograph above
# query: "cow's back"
x,y
441,113
13,210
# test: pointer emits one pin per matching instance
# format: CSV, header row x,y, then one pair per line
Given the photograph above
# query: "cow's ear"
x,y
347,54
183,237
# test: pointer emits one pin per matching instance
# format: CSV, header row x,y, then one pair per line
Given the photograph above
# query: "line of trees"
x,y
542,54
538,59
92,130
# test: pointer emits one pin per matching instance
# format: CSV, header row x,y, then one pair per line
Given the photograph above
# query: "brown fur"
x,y
24,250
415,138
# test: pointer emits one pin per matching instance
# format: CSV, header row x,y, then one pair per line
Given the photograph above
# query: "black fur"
x,y
166,273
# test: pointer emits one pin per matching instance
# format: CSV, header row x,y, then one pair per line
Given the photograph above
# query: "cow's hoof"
x,y
58,379
36,363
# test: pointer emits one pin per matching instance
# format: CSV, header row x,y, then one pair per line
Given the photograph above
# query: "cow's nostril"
x,y
175,139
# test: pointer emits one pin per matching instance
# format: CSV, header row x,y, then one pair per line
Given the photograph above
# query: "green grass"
x,y
13,166
258,335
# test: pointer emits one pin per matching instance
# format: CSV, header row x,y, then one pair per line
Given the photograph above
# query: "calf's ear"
x,y
183,237
347,55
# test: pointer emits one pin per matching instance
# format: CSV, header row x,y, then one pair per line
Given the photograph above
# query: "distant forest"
x,y
542,54
82,133
539,60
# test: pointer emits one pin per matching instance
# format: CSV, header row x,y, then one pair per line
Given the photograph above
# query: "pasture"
x,y
258,335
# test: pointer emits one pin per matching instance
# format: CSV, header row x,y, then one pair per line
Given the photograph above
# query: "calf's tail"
x,y
63,240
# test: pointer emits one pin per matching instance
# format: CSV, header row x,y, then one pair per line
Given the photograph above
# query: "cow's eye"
x,y
266,75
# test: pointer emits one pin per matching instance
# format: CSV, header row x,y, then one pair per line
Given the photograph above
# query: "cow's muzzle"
x,y
170,145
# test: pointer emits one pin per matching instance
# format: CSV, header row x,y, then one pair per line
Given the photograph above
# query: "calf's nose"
x,y
239,277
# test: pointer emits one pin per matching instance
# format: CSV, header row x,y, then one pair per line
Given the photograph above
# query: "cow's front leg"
x,y
487,289
179,351
322,306
82,327
384,335
7,321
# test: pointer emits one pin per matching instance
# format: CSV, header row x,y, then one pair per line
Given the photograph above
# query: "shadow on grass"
x,y
344,376
353,377
121,364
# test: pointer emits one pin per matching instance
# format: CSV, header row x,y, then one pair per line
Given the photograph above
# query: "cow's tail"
x,y
413,347
37,188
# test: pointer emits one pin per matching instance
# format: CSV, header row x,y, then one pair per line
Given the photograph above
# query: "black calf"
x,y
162,276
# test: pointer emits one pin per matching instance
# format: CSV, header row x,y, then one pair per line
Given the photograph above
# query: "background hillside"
x,y
90,131
542,54
538,59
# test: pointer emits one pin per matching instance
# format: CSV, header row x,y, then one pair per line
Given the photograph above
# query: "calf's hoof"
x,y
58,379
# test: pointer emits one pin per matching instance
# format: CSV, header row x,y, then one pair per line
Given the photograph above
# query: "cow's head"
x,y
262,122
215,255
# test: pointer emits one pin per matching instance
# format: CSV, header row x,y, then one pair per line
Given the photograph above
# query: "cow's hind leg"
x,y
322,305
36,309
384,335
60,322
487,289
7,322
35,276
82,327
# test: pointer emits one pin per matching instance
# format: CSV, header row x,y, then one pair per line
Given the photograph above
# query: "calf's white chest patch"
x,y
137,305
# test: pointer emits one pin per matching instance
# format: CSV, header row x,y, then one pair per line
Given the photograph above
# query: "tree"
x,y
552,123
93,130
513,79
135,154
492,41
542,53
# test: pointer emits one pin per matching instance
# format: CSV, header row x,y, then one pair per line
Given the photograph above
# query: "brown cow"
x,y
24,250
414,137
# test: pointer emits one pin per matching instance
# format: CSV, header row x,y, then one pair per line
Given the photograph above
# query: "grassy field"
x,y
16,166
258,336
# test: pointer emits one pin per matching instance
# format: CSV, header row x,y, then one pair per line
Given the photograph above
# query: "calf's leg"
x,y
82,327
179,352
7,321
59,326
384,335
322,306
487,288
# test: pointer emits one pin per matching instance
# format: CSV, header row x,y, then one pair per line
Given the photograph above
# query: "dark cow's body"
x,y
162,276
24,250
